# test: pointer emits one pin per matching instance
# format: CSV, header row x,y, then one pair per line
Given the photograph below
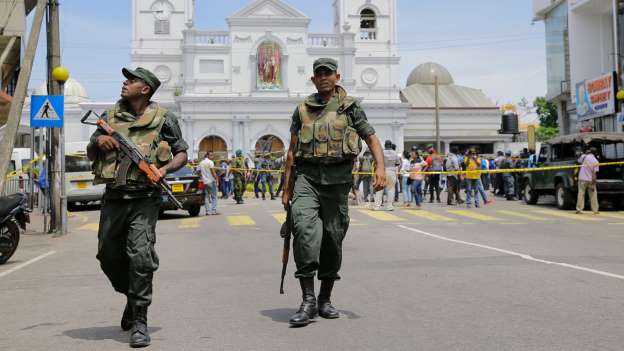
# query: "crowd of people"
x,y
410,183
220,176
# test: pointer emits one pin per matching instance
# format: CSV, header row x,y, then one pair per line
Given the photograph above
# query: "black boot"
x,y
308,309
139,336
325,308
126,319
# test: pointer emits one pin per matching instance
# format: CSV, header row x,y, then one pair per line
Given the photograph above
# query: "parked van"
x,y
79,178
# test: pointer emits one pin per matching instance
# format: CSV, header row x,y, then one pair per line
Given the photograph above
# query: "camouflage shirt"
x,y
328,174
170,133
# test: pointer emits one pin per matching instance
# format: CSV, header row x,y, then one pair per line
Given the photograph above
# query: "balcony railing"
x,y
368,34
207,38
324,40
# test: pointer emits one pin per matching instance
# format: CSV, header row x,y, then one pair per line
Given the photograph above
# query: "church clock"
x,y
162,9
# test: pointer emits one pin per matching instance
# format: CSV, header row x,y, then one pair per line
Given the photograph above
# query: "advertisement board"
x,y
596,97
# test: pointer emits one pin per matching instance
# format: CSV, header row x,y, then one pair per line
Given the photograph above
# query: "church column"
x,y
235,133
188,61
246,138
348,58
397,135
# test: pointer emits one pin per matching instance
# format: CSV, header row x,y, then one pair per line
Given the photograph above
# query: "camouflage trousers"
x,y
320,216
126,239
509,184
239,186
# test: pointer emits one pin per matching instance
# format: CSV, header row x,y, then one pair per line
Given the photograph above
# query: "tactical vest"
x,y
144,132
239,166
327,135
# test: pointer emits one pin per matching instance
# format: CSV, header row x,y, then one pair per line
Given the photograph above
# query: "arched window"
x,y
368,25
269,67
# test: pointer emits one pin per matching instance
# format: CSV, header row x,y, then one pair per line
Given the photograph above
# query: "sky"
x,y
491,45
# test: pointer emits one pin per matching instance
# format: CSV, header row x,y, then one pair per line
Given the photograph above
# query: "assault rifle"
x,y
285,233
130,155
287,228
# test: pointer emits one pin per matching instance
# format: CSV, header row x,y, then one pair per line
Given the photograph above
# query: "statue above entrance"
x,y
269,76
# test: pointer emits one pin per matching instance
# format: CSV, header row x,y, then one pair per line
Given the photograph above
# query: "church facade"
x,y
237,89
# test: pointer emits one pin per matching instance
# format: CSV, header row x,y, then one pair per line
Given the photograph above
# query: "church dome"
x,y
426,73
75,93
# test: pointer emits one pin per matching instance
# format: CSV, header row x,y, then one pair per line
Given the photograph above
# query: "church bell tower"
x,y
157,34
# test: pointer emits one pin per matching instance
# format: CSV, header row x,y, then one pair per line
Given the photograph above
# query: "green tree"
x,y
545,133
546,111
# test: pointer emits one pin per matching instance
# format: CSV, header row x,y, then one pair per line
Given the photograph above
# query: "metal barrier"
x,y
16,185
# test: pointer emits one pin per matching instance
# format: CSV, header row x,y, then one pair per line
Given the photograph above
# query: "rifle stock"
x,y
285,232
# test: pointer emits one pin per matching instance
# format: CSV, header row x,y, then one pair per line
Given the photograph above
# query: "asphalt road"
x,y
504,277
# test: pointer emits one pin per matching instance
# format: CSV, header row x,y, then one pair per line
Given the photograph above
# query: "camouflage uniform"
x,y
324,160
128,216
239,178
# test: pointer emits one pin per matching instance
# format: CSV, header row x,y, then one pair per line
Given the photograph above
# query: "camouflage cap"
x,y
326,62
145,75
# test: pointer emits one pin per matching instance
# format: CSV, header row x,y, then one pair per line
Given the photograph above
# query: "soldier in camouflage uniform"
x,y
240,173
126,235
326,134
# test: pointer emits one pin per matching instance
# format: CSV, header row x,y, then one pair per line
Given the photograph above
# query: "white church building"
x,y
234,88
237,89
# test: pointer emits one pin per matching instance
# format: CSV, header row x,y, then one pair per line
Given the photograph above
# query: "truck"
x,y
563,183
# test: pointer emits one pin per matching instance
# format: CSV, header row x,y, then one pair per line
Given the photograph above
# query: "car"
x,y
188,188
79,185
562,183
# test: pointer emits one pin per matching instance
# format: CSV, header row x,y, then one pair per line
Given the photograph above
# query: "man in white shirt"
x,y
211,183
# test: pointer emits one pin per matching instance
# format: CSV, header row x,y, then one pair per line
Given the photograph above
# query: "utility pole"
x,y
437,112
54,88
15,111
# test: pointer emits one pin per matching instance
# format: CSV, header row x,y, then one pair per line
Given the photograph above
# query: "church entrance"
x,y
215,145
270,145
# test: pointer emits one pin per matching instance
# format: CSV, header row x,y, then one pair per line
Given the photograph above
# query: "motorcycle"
x,y
14,214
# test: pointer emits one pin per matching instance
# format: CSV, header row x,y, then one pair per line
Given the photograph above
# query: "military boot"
x,y
325,308
139,335
308,309
126,319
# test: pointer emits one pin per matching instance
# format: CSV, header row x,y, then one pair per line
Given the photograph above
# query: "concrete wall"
x,y
591,40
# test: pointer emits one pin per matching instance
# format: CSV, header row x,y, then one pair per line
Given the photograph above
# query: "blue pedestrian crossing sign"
x,y
46,111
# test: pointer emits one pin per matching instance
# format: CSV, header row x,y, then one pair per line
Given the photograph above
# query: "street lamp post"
x,y
61,75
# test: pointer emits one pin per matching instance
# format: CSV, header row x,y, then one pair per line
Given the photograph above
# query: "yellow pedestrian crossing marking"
x,y
240,221
430,216
473,215
568,215
609,215
522,215
190,223
280,217
92,227
382,216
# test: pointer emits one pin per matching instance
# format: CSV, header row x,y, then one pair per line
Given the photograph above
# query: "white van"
x,y
78,176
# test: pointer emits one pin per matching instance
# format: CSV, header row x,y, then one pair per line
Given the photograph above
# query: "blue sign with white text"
x,y
46,111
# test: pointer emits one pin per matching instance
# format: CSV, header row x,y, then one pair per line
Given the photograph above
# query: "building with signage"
x,y
583,50
237,89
